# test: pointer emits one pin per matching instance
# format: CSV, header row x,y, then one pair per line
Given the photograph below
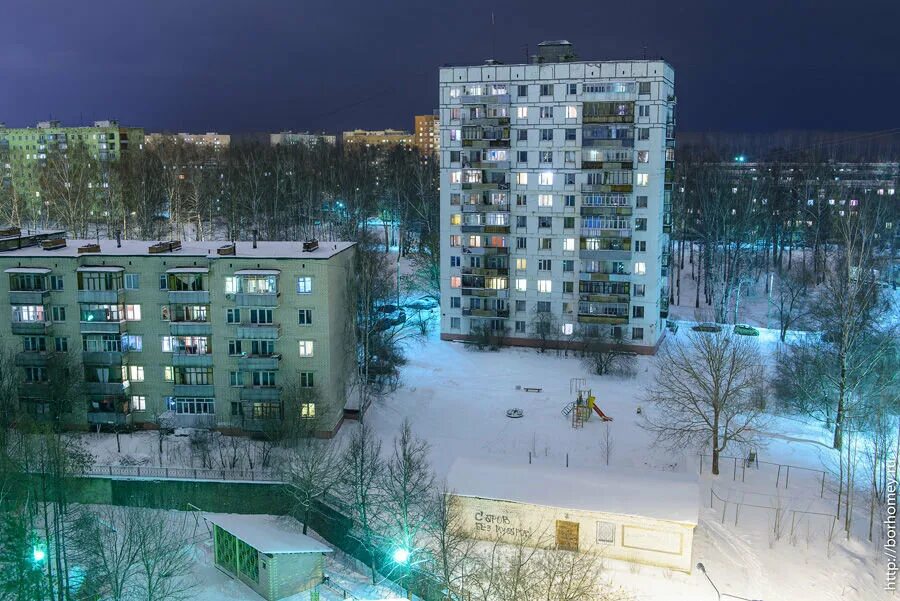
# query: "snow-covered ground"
x,y
457,400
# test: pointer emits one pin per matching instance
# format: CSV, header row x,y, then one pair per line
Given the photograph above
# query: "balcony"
x,y
102,327
485,99
608,118
614,165
28,297
109,418
261,393
485,250
190,328
602,232
485,208
595,188
106,388
485,313
186,420
259,331
486,186
604,298
487,121
618,276
101,297
486,292
485,271
611,211
194,390
247,299
30,327
192,360
189,297
102,357
32,358
259,362
489,165
607,319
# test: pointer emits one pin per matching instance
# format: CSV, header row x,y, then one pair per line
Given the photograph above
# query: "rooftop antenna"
x,y
493,37
645,51
526,54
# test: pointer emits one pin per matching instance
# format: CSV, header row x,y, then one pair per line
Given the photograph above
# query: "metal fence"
x,y
182,473
745,469
776,513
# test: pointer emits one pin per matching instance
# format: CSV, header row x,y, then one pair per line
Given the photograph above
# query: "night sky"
x,y
268,65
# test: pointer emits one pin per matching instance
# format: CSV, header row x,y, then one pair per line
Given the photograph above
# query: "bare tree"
x,y
703,392
450,544
165,556
109,545
790,301
312,468
363,471
604,352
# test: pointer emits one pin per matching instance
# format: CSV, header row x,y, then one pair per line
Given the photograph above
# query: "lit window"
x,y
304,285
546,178
567,329
136,373
455,177
455,281
306,348
640,268
569,244
455,240
307,410
545,200
138,402
545,286
571,112
521,264
522,112
522,179
643,179
168,373
231,285
456,219
521,285
133,312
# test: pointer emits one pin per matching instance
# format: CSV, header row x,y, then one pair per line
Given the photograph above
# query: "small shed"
x,y
647,518
267,553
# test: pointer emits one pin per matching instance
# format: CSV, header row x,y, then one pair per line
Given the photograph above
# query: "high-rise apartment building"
x,y
238,336
380,137
556,182
427,134
290,138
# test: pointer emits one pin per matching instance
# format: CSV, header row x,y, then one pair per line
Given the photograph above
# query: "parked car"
x,y
707,326
426,303
388,309
391,320
745,330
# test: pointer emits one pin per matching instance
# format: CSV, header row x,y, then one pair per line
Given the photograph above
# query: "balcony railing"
x,y
485,208
624,188
485,99
28,297
32,358
30,327
259,362
486,313
247,299
189,297
109,418
486,271
106,388
601,232
260,393
102,357
194,390
181,359
102,327
190,328
102,297
259,331
607,319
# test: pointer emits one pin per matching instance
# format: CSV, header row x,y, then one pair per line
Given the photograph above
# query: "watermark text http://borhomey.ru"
x,y
890,543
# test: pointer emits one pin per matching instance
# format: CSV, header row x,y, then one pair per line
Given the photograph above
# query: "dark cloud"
x,y
232,65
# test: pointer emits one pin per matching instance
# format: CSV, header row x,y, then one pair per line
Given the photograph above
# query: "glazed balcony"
x,y
486,292
497,143
487,121
102,327
185,359
484,229
613,165
485,186
106,389
486,208
622,298
485,271
600,188
600,232
102,357
485,250
485,99
612,276
610,211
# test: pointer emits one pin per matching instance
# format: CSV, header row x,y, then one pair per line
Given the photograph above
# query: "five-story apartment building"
x,y
556,182
200,334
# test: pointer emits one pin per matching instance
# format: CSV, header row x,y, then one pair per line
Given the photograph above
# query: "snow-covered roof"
x,y
188,270
101,268
660,495
268,533
27,270
265,249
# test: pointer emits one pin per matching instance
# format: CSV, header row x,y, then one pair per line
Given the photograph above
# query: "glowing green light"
x,y
401,555
38,554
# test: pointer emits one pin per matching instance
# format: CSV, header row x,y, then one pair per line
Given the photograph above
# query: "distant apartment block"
x,y
212,140
427,134
289,138
556,182
24,149
237,336
383,137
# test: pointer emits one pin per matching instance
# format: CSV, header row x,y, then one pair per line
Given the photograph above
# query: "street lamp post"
x,y
720,594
